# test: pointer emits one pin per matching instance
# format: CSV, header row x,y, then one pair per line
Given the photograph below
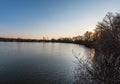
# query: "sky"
x,y
52,18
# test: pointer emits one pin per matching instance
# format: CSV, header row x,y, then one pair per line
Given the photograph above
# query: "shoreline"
x,y
41,40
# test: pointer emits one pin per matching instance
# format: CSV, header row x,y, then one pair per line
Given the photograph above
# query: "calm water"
x,y
38,63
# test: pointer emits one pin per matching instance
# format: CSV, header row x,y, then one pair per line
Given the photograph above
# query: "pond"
x,y
38,63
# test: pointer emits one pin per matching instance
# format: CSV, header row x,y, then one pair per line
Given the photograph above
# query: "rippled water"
x,y
38,63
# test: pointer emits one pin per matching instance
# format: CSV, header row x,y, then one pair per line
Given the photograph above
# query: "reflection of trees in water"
x,y
92,53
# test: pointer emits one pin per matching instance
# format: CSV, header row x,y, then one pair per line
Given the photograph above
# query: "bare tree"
x,y
105,67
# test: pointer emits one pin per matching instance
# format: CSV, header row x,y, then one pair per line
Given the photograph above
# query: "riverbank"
x,y
87,44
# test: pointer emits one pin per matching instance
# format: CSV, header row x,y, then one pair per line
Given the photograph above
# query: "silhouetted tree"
x,y
105,67
88,36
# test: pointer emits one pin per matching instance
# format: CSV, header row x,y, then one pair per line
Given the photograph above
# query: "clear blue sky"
x,y
52,18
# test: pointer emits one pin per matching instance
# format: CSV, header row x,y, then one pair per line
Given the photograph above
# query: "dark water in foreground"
x,y
38,63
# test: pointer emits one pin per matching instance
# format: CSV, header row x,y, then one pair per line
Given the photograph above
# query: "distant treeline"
x,y
18,40
76,40
83,40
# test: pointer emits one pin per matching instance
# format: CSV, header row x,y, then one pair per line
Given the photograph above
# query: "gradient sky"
x,y
52,18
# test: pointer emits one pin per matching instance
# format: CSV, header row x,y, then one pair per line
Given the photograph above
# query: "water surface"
x,y
38,63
